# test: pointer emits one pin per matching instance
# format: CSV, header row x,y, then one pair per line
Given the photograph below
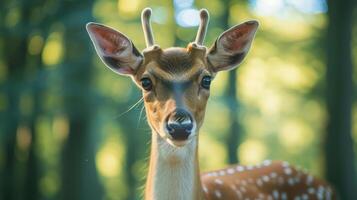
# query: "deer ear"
x,y
115,49
232,46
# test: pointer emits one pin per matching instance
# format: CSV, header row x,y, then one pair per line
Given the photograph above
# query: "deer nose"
x,y
179,124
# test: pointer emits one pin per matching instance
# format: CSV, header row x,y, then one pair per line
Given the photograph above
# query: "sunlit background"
x,y
73,136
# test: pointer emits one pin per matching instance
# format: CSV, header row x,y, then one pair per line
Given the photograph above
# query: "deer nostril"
x,y
179,125
174,125
170,129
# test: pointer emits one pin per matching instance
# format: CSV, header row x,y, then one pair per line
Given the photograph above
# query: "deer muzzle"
x,y
179,124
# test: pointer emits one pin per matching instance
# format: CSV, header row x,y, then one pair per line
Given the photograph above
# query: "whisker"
x,y
141,113
130,108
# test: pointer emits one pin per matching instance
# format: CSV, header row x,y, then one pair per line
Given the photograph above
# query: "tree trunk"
x,y
36,79
339,144
33,170
15,53
233,136
232,101
79,176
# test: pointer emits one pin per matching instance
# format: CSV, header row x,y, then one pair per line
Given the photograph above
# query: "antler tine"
x,y
145,21
201,33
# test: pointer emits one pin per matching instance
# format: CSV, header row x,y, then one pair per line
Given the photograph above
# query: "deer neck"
x,y
173,172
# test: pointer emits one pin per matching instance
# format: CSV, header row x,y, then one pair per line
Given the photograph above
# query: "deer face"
x,y
175,82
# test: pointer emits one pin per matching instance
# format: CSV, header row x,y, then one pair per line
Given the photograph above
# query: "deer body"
x,y
175,83
267,180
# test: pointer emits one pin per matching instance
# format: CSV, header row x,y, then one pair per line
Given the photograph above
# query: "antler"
x,y
202,29
145,21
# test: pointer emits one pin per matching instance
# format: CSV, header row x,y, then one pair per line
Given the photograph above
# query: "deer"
x,y
175,84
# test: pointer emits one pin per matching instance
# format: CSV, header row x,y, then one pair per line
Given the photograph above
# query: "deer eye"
x,y
206,82
146,83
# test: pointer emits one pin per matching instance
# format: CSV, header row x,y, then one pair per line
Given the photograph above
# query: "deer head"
x,y
175,82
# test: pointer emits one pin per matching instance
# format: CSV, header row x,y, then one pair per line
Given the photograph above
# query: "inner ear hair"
x,y
115,49
232,46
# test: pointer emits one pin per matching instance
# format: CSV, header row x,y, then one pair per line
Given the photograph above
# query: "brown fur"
x,y
180,68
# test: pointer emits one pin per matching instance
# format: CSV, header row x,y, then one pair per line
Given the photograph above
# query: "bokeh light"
x,y
53,50
252,152
285,7
188,18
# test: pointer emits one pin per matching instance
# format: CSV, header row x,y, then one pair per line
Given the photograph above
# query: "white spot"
x,y
328,194
287,171
276,194
218,181
239,194
205,189
209,174
305,197
230,171
214,174
291,181
320,190
217,193
309,180
242,188
284,196
267,162
311,190
259,182
250,167
266,178
273,175
240,168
